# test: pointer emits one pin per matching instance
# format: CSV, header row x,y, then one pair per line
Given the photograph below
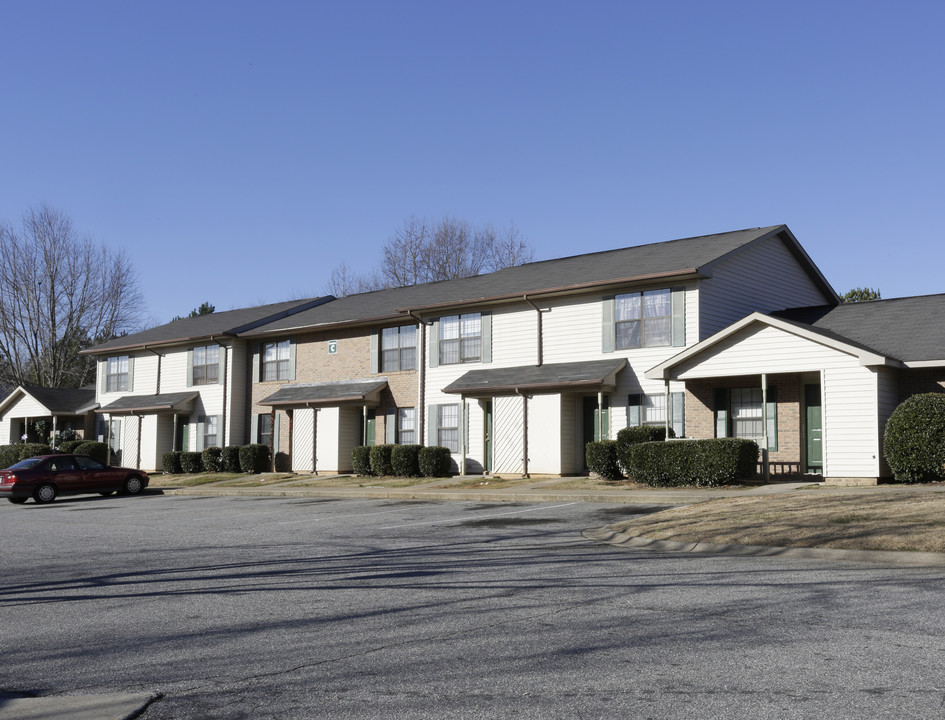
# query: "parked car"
x,y
45,477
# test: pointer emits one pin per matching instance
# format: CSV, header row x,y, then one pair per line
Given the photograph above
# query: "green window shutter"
x,y
190,368
185,438
390,427
256,362
102,376
221,376
291,360
254,429
486,347
435,344
678,415
275,435
433,421
605,419
608,328
200,429
772,412
375,355
131,374
634,407
720,396
679,316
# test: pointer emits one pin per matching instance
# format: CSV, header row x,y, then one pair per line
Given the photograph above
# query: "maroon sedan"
x,y
46,476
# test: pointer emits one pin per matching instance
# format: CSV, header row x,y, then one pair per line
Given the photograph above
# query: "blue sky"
x,y
239,151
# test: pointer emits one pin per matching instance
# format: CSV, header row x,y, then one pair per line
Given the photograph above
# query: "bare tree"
x,y
60,292
420,252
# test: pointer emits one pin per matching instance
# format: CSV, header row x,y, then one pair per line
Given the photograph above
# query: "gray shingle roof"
x,y
70,401
228,322
910,329
325,393
536,378
664,259
165,402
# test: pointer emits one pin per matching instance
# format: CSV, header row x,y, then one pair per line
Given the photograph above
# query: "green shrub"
x,y
635,434
914,440
361,460
405,460
231,459
255,458
95,450
170,461
28,450
69,446
601,458
380,460
9,455
703,463
191,462
212,458
434,461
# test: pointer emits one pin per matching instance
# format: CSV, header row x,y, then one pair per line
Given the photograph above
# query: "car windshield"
x,y
27,464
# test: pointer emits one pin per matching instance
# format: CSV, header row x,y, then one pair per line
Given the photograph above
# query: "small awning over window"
x,y
150,404
598,375
365,392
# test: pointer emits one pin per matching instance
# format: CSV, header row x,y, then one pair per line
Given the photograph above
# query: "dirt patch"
x,y
905,520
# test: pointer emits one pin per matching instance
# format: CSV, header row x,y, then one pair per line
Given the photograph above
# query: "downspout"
x,y
524,432
540,333
157,388
421,378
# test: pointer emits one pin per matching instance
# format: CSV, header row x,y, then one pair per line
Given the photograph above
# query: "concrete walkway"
x,y
116,706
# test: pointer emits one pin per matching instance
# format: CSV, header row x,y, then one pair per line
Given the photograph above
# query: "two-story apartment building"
x,y
180,385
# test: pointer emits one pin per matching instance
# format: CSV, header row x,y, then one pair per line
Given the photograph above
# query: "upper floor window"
x,y
117,374
644,319
276,363
207,365
460,338
399,348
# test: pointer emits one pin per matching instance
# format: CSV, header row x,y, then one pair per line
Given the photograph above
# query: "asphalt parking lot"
x,y
270,607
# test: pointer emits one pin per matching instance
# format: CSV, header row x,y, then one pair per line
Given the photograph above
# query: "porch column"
x,y
666,410
314,440
108,438
462,434
138,444
524,434
600,416
53,438
174,439
764,422
364,424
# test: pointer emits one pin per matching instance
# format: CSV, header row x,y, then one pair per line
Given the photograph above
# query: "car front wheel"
x,y
45,493
17,500
133,485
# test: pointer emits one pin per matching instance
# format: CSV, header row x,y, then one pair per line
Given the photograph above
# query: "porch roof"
x,y
334,393
150,404
594,375
56,401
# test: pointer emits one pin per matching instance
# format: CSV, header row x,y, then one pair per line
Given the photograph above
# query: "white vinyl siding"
x,y
763,277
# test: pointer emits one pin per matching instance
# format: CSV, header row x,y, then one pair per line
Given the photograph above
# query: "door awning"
x,y
358,392
150,404
596,376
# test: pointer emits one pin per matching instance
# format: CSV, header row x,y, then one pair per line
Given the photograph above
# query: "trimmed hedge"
x,y
634,435
255,458
95,450
379,457
170,462
703,463
601,458
191,462
8,455
405,460
212,459
230,457
69,446
434,461
914,440
361,460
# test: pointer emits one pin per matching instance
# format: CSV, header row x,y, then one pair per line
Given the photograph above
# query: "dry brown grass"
x,y
874,520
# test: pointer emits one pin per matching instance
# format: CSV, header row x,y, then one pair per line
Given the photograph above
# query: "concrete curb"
x,y
115,706
612,536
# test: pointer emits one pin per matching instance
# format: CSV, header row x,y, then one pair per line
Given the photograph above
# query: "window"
x,y
406,426
460,338
209,431
739,413
644,319
276,361
117,374
652,410
207,365
447,427
399,348
264,430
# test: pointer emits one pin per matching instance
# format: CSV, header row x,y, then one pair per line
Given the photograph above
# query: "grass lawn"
x,y
185,480
900,519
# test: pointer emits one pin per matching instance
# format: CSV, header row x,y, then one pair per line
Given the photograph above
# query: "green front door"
x,y
814,440
366,435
